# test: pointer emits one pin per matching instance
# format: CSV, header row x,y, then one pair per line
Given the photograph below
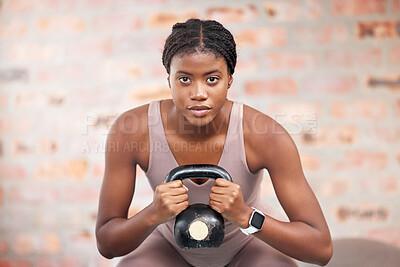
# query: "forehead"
x,y
198,61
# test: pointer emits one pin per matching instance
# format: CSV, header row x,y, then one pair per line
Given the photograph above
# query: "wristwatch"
x,y
255,223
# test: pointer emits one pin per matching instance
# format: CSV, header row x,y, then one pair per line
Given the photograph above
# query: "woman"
x,y
200,125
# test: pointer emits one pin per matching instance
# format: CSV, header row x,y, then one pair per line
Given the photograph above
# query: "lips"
x,y
199,110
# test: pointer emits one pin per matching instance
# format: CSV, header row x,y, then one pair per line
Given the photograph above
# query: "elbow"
x,y
326,254
104,252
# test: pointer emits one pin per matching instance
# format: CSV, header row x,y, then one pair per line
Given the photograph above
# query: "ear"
x,y
169,82
230,80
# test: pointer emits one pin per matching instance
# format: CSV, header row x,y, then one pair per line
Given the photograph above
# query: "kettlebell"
x,y
198,226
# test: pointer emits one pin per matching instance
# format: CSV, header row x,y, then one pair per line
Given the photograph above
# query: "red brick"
x,y
118,71
357,7
334,187
90,5
60,24
1,202
14,263
385,135
325,85
22,148
362,212
12,171
23,244
377,29
82,193
341,135
14,75
89,48
48,146
27,99
391,184
278,61
98,170
249,64
377,185
3,100
51,261
145,43
394,55
49,243
369,57
150,92
33,195
12,124
361,160
166,19
81,241
229,14
59,73
321,34
310,162
122,22
396,6
13,29
70,169
386,81
397,108
127,3
271,87
389,235
3,248
302,108
359,108
29,6
268,37
31,51
284,11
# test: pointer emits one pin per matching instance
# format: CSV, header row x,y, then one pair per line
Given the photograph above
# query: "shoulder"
x,y
128,135
265,139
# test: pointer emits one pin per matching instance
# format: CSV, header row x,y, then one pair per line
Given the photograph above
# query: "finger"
x,y
175,184
222,182
214,205
217,198
182,206
177,191
219,190
179,199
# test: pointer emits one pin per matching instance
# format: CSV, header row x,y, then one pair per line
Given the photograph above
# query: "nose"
x,y
198,92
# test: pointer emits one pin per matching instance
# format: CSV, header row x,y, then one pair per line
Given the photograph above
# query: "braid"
x,y
200,35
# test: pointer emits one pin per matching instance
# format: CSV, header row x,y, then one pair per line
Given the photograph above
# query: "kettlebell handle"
x,y
197,171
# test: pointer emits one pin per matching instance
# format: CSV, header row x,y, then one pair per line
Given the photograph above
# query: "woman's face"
x,y
199,85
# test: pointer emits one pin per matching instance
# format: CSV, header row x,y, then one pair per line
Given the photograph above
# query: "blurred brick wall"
x,y
329,71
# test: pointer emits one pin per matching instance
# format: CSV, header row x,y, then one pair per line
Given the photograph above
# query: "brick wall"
x,y
329,71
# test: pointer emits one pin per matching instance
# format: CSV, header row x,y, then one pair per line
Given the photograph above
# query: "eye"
x,y
184,79
212,79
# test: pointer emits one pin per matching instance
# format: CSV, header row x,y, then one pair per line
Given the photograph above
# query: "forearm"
x,y
298,240
120,236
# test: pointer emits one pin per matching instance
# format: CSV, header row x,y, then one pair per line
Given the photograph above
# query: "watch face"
x,y
257,220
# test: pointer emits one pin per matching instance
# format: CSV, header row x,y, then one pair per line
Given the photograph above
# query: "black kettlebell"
x,y
198,226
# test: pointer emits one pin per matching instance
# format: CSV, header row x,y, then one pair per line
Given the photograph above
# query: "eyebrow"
x,y
207,73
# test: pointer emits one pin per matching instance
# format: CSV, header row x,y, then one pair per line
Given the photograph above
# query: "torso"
x,y
207,150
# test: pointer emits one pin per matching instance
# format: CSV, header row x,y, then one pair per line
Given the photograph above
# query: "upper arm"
x,y
280,157
121,159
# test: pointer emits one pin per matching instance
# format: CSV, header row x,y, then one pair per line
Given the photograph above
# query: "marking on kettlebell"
x,y
198,230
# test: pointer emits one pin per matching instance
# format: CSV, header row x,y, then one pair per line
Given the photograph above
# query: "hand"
x,y
227,198
169,200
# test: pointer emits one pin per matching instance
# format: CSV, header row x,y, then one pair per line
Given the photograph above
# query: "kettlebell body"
x,y
198,226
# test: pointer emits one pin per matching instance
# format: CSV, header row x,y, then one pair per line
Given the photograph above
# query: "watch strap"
x,y
251,229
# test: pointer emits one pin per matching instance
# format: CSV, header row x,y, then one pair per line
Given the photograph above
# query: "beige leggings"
x,y
156,251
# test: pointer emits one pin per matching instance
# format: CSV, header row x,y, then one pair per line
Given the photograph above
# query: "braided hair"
x,y
197,35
